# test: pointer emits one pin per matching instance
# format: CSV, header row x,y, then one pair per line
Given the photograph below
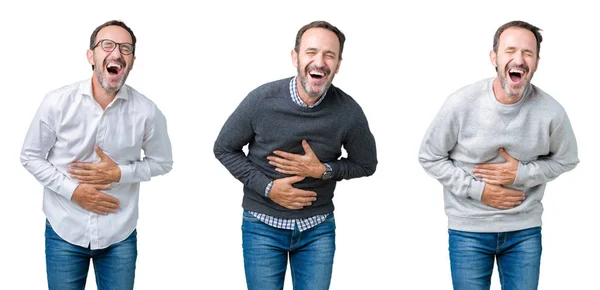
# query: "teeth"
x,y
514,70
317,73
112,64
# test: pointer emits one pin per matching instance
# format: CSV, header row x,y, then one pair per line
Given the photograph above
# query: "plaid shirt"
x,y
288,224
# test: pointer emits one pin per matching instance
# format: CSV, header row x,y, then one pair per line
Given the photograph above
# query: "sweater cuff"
x,y
522,174
476,189
335,170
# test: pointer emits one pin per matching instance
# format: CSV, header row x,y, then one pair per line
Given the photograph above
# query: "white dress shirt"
x,y
67,126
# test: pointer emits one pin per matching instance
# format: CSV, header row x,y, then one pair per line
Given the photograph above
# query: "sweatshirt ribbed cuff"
x,y
522,174
476,189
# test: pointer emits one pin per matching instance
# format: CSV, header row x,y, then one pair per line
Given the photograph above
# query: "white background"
x,y
198,62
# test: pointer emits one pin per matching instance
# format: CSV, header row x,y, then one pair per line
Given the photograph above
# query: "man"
x,y
295,129
494,145
84,147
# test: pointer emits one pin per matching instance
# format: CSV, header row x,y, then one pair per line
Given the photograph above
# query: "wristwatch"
x,y
327,174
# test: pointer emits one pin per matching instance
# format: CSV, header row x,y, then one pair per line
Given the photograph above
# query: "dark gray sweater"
x,y
268,119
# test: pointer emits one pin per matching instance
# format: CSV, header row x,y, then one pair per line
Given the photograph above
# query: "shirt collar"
x,y
296,98
86,89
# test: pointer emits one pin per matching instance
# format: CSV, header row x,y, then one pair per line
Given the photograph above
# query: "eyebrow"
x,y
514,48
325,52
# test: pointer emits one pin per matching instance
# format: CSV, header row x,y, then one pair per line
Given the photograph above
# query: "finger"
x,y
82,165
286,167
486,176
487,166
107,210
108,198
294,179
100,153
93,181
511,204
307,149
499,206
101,210
282,161
303,193
279,162
502,206
102,186
302,203
86,178
505,155
288,172
515,199
286,155
492,181
308,200
484,171
110,207
80,172
516,194
80,177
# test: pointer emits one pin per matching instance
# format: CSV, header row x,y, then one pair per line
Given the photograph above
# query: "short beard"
x,y
305,85
103,81
313,94
506,87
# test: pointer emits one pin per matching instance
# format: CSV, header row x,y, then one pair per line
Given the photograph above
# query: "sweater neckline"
x,y
507,112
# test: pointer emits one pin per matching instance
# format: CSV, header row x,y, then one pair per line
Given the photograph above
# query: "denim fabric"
x,y
266,252
67,265
517,253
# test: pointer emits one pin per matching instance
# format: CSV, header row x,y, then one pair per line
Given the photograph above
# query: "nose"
x,y
319,59
518,58
116,53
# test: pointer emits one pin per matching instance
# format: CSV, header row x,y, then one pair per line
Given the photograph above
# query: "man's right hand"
x,y
501,197
91,199
284,194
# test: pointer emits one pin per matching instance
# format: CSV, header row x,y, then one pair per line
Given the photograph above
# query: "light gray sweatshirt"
x,y
470,128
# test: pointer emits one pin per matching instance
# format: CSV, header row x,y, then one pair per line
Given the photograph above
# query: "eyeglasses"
x,y
109,46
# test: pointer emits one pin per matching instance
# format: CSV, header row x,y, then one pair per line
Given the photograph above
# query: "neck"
x,y
102,97
501,96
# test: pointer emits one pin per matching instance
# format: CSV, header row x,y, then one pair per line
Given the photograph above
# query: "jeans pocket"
x,y
247,216
330,218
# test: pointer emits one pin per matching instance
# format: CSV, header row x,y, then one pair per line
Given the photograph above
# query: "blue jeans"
x,y
266,251
67,265
518,255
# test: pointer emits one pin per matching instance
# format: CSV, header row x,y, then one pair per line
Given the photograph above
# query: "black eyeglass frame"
x,y
132,51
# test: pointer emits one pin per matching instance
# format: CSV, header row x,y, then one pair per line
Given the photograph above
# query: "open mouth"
x,y
516,74
114,68
317,74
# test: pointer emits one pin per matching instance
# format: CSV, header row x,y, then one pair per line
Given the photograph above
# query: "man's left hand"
x,y
104,172
307,165
498,173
